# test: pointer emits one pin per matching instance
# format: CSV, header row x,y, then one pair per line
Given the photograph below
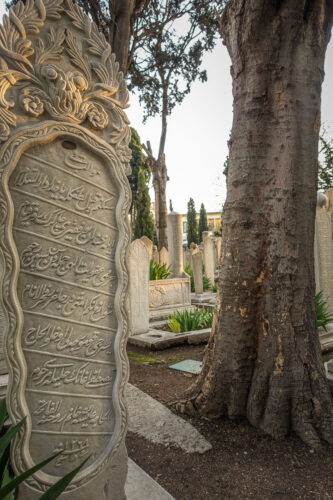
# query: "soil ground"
x,y
243,464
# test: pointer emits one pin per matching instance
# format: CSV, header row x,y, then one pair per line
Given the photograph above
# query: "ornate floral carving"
x,y
95,92
31,104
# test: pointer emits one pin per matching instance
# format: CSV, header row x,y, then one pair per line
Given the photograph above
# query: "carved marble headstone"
x,y
208,256
64,233
175,244
138,267
149,244
197,272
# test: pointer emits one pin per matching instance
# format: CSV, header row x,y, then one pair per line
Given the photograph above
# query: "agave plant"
x,y
323,316
9,483
158,271
188,321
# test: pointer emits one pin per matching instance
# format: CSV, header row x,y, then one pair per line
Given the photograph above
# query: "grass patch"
x,y
140,359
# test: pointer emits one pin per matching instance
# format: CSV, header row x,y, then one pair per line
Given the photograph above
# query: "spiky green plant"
x,y
323,316
188,321
158,271
9,483
207,284
207,317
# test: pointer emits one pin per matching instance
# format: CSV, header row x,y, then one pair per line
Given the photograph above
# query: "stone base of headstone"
x,y
111,480
203,298
157,339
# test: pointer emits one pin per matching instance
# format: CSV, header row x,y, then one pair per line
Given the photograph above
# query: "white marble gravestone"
x,y
197,272
149,244
64,234
138,267
175,244
209,257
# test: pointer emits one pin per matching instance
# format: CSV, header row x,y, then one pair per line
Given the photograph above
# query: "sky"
x,y
198,131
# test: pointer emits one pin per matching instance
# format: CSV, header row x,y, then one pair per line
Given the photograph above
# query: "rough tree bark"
x,y
160,178
263,360
123,14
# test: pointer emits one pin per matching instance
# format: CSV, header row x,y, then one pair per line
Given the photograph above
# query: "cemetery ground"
x,y
243,462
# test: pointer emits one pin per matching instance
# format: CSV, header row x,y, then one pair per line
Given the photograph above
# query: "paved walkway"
x,y
153,421
140,486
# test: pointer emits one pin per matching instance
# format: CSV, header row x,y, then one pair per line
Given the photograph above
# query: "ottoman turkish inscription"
x,y
64,201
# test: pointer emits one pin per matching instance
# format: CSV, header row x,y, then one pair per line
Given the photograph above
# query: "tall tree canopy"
x,y
192,226
263,360
203,223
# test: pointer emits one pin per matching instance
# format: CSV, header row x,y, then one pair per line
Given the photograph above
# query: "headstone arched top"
x,y
56,65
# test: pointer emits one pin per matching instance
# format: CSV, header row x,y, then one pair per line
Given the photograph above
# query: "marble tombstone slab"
x,y
64,234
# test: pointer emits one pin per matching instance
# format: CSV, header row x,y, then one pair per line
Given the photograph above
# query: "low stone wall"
x,y
166,296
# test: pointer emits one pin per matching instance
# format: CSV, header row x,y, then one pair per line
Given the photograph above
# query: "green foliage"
x,y
144,225
174,325
207,284
158,271
189,271
138,163
323,316
169,60
203,223
192,227
140,359
207,316
188,321
325,170
214,288
9,483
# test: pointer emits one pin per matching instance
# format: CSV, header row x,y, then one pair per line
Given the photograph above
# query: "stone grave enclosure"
x,y
64,234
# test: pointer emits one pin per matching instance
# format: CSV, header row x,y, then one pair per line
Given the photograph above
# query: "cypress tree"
x,y
192,228
203,224
143,219
138,162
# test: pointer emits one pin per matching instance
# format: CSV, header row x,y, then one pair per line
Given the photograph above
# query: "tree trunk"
x,y
121,29
263,360
160,178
